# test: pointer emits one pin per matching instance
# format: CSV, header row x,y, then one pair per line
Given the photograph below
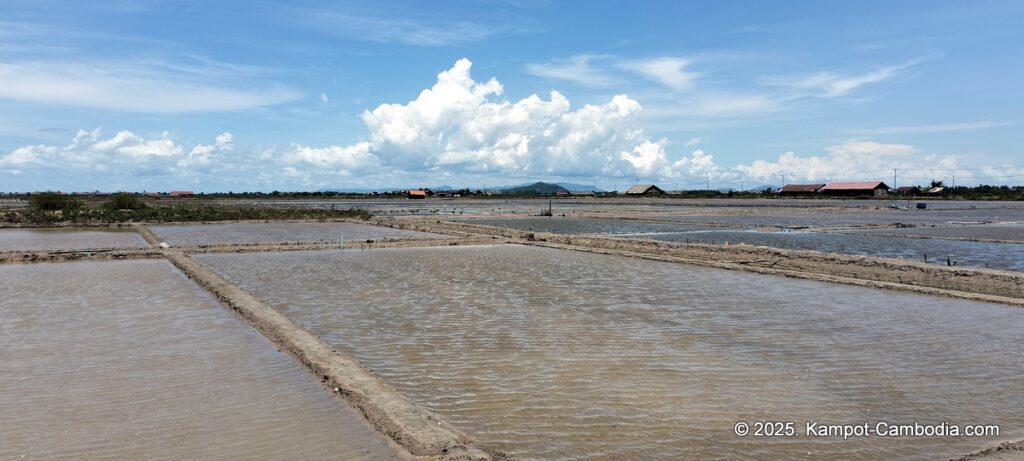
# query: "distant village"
x,y
832,189
849,189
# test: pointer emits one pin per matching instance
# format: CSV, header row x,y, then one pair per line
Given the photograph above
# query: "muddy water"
x,y
68,239
550,354
130,360
194,234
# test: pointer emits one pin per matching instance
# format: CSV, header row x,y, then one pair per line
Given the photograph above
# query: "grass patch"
x,y
122,212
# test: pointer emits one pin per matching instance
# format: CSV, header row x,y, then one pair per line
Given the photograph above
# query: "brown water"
x,y
198,234
69,239
552,354
130,360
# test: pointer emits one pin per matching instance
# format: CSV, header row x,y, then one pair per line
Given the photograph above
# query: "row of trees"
x,y
54,201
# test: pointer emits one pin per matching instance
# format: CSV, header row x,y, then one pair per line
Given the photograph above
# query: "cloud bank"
x,y
461,129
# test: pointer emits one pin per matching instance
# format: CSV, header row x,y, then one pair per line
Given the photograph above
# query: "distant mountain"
x,y
537,188
763,188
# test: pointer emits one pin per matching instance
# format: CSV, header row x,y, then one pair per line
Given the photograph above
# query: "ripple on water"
x,y
198,234
69,239
554,354
131,360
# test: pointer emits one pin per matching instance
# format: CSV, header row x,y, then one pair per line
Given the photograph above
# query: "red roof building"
x,y
181,193
800,189
856,188
417,194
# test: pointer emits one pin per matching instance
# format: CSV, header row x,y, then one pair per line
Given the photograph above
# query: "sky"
x,y
157,95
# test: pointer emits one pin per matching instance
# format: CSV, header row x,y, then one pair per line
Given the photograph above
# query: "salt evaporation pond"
x,y
551,354
963,253
131,360
853,218
583,225
31,239
203,234
959,252
1006,232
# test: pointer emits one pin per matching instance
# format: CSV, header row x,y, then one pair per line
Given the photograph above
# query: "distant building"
x,y
583,193
937,190
800,189
908,190
417,194
855,188
181,193
563,193
644,189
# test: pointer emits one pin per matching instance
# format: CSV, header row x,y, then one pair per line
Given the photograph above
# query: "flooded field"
x,y
851,218
131,360
454,207
963,253
199,234
550,354
69,239
960,253
583,225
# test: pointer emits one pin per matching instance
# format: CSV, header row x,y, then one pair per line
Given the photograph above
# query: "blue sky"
x,y
213,96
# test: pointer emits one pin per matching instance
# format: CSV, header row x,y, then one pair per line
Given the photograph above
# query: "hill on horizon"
x,y
537,188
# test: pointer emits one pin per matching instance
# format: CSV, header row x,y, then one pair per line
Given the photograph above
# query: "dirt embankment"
x,y
1008,451
979,284
327,245
416,429
103,254
147,234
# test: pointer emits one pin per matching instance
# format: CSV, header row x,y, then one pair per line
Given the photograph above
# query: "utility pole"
x,y
893,178
707,188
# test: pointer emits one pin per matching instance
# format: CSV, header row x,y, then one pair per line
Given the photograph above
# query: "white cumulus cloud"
x,y
124,151
343,160
202,155
852,160
463,125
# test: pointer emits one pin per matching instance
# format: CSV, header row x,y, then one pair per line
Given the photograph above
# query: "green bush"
x,y
53,201
124,201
